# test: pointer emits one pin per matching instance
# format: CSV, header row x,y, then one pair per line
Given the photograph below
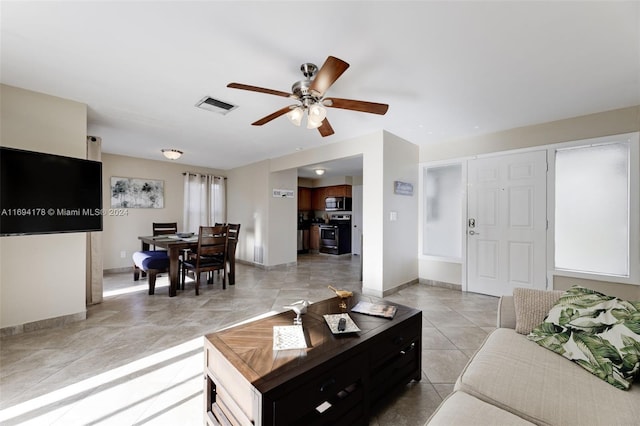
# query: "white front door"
x,y
506,223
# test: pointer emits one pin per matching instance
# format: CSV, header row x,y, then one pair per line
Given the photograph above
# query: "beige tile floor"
x,y
137,359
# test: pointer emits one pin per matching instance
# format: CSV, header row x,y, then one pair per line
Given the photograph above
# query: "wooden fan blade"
x,y
325,128
328,74
261,90
272,116
362,106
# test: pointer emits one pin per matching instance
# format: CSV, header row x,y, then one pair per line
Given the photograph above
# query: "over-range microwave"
x,y
337,204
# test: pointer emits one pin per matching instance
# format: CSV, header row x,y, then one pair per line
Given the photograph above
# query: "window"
x,y
204,201
443,211
592,209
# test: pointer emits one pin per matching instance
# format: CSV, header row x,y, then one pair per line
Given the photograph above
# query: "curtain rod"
x,y
195,174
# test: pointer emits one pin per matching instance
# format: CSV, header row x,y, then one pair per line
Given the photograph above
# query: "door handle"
x,y
472,232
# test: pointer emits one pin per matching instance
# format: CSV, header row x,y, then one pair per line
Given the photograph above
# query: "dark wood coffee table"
x,y
337,380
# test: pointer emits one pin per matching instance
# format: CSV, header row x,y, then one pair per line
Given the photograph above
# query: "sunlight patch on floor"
x,y
140,391
132,289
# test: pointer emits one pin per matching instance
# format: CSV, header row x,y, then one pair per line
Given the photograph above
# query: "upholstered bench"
x,y
151,262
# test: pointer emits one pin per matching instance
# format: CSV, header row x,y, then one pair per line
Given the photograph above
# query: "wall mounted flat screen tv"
x,y
45,194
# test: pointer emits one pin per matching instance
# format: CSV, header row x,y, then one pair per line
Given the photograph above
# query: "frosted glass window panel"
x,y
443,211
592,209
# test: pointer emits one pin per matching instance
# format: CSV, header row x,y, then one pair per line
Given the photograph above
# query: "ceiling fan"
x,y
310,95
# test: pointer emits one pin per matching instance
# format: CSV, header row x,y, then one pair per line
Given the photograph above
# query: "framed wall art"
x,y
402,188
137,193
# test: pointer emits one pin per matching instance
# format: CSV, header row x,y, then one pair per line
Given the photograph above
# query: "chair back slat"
x,y
212,240
164,228
234,231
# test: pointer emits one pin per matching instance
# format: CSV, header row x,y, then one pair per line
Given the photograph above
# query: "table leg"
x,y
174,269
232,263
145,247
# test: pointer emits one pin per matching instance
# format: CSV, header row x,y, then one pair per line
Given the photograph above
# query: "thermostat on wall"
x,y
283,193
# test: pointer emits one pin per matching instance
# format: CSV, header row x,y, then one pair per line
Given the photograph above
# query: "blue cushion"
x,y
154,259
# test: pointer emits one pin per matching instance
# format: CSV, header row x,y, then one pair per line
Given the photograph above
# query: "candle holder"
x,y
343,295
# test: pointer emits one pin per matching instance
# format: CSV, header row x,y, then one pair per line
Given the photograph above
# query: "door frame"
x,y
464,162
634,252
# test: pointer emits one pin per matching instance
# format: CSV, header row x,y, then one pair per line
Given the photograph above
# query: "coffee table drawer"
x,y
396,341
397,370
326,394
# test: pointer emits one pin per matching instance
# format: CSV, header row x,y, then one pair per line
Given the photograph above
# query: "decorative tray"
x,y
333,319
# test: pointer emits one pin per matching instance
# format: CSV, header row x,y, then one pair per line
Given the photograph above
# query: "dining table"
x,y
175,245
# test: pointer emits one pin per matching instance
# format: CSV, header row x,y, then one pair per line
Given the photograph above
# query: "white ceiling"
x,y
447,69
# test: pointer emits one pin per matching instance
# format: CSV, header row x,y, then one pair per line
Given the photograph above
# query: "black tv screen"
x,y
44,193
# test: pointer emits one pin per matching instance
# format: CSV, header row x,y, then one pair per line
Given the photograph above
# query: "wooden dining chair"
x,y
211,255
164,228
232,243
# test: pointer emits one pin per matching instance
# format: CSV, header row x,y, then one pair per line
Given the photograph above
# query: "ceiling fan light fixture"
x,y
171,154
319,172
310,94
316,114
313,124
295,115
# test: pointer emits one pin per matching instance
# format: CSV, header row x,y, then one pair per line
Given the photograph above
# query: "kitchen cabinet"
x,y
314,238
317,198
338,191
304,199
319,194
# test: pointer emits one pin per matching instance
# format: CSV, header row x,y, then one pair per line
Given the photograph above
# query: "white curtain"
x,y
204,201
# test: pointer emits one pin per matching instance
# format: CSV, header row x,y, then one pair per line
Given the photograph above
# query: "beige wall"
x,y
282,247
607,123
400,235
248,204
54,286
389,258
42,276
119,239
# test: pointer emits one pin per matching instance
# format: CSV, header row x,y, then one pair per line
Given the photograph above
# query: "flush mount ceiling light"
x,y
172,154
319,172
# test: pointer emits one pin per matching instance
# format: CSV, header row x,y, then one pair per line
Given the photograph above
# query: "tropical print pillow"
x,y
598,332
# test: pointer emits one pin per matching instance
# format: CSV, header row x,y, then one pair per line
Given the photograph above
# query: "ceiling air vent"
x,y
215,105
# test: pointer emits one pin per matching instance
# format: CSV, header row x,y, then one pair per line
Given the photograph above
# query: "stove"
x,y
335,237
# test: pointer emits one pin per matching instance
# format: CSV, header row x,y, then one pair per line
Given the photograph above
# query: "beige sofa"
x,y
512,381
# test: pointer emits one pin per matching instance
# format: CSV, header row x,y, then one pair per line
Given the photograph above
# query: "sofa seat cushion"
x,y
460,408
519,376
152,259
